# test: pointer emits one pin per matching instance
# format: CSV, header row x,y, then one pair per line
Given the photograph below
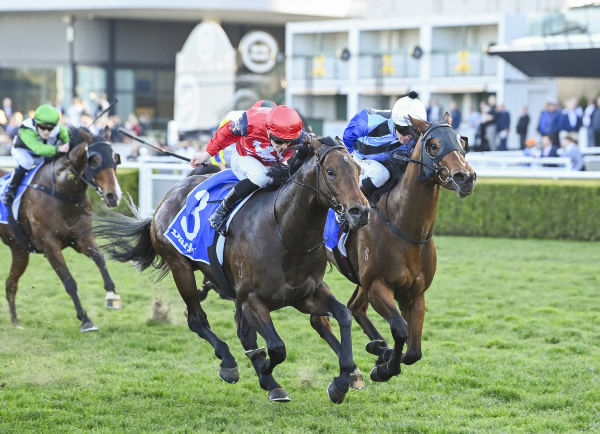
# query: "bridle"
x,y
104,152
430,166
337,207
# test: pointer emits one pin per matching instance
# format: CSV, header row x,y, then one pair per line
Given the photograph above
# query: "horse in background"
x,y
393,259
56,212
274,256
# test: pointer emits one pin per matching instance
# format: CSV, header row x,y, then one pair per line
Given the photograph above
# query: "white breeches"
x,y
24,158
372,169
246,167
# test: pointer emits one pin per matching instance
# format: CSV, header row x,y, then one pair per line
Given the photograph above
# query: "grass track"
x,y
511,344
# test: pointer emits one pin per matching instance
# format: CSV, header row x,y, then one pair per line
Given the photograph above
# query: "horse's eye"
x,y
93,162
330,172
433,146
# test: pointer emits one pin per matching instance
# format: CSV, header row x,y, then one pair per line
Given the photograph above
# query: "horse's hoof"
x,y
229,375
375,376
88,326
279,395
375,347
335,394
113,300
356,379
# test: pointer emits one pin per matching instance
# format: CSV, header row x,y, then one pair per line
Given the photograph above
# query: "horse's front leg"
x,y
258,357
381,298
259,319
90,249
415,317
358,304
324,303
20,260
54,255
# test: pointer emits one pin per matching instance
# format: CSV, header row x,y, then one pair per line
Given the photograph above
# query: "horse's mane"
x,y
281,172
76,137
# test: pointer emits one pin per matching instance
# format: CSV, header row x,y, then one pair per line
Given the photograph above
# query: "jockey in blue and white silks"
x,y
372,135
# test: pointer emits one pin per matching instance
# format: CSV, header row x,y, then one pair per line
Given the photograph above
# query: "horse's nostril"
x,y
354,212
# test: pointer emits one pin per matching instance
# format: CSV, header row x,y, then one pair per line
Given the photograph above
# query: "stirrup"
x,y
217,222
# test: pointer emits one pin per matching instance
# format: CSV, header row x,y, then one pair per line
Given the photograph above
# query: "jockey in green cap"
x,y
37,138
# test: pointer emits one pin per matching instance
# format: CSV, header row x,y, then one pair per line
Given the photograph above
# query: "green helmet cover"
x,y
46,114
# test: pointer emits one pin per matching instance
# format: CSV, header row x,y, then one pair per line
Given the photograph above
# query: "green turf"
x,y
510,344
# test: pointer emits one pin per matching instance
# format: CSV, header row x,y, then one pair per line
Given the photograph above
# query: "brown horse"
x,y
55,213
274,257
394,257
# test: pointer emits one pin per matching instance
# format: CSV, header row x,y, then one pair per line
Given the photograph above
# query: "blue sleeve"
x,y
357,127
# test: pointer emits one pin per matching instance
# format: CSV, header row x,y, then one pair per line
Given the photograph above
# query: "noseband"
x,y
331,199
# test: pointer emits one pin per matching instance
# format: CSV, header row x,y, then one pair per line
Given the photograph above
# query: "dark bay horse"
x,y
56,212
274,257
394,257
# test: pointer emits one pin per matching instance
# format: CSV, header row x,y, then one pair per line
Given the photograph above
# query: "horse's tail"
x,y
125,239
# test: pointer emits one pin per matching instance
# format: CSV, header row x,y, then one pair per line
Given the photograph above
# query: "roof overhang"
x,y
555,56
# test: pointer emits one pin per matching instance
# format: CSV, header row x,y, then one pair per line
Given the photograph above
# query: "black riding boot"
x,y
367,187
240,191
11,191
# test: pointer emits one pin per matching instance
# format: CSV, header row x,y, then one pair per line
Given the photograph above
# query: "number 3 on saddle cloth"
x,y
190,232
4,181
335,240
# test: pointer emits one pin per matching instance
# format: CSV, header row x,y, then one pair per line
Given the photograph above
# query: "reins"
x,y
336,205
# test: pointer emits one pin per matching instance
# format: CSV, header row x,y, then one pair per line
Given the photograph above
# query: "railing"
x,y
158,174
513,164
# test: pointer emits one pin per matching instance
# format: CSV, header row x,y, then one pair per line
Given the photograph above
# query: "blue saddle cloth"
x,y
4,181
190,232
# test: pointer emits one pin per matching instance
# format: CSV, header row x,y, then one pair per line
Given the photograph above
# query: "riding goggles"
x,y
279,141
47,127
404,130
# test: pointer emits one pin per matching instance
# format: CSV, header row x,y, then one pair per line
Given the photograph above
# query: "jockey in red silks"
x,y
263,137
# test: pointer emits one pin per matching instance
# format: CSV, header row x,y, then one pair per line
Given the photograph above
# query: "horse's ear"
x,y
107,132
447,118
87,137
419,125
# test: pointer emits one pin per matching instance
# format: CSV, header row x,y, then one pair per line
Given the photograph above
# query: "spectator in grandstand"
x,y
570,149
531,149
502,121
595,123
549,123
523,126
434,111
548,148
570,119
586,122
456,115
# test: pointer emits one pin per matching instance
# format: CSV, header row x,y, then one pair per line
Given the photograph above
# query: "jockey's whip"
x,y
139,139
99,115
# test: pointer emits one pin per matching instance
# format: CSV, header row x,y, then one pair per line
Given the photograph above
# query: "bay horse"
x,y
394,258
56,212
274,257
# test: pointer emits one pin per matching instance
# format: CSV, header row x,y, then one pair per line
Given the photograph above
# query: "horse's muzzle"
x,y
358,216
464,183
112,200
